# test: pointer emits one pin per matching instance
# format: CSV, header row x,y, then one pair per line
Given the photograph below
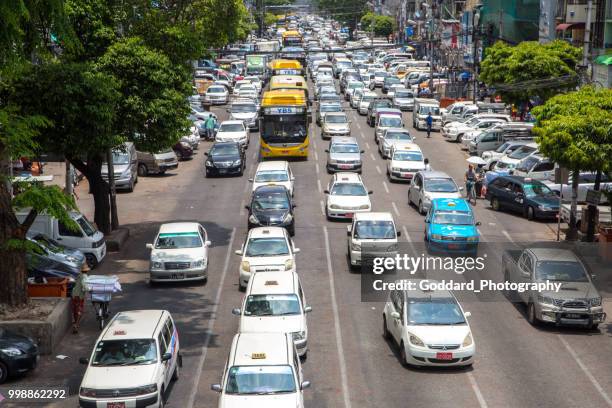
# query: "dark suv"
x,y
527,196
271,205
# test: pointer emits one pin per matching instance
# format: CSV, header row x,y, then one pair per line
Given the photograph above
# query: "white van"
x,y
133,361
273,173
85,238
371,233
422,107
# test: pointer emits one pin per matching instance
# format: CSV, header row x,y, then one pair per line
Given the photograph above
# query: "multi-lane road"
x,y
349,362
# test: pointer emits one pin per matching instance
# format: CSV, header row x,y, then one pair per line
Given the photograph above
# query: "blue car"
x,y
450,226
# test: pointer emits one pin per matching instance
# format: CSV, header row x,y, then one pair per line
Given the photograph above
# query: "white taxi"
x,y
233,131
404,161
266,249
180,252
346,195
429,326
133,362
276,172
372,234
262,370
274,302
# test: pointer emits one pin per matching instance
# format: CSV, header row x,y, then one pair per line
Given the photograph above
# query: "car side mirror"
x,y
216,387
248,207
348,230
238,252
207,243
250,180
370,192
296,250
166,356
593,276
468,314
236,311
307,309
326,191
362,151
305,384
149,246
395,315
326,150
426,221
478,223
460,188
398,233
84,360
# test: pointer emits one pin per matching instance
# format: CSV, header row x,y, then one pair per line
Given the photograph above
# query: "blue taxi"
x,y
450,226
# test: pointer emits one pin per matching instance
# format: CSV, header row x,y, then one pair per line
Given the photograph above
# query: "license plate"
x,y
345,166
349,215
406,175
573,316
115,405
444,356
453,246
222,171
285,151
177,276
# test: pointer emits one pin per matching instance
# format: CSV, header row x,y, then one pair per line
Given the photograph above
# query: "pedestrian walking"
x,y
210,125
429,122
79,291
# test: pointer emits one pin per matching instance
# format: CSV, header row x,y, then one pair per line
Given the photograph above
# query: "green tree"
x,y
575,130
529,69
347,12
380,25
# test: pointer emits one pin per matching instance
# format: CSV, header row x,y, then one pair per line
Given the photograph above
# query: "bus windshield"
x,y
284,128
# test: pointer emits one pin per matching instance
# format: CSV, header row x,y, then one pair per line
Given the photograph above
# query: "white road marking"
x,y
242,207
322,207
211,323
367,146
255,154
378,170
479,397
317,169
319,186
508,236
372,157
586,371
395,210
332,287
316,156
386,187
358,126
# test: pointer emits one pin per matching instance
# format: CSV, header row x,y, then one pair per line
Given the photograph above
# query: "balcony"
x,y
576,13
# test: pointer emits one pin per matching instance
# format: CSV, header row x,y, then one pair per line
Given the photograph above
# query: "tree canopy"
x,y
380,25
530,69
347,12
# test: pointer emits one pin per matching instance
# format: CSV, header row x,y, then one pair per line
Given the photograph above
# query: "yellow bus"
x,y
284,124
292,82
292,38
286,67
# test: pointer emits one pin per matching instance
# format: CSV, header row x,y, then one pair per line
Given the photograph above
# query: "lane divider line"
x,y
378,169
395,210
479,397
386,187
372,157
319,186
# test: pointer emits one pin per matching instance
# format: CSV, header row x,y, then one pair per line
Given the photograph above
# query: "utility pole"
x,y
501,24
475,32
113,192
69,181
587,35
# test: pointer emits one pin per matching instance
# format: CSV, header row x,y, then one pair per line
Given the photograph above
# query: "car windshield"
x,y
501,148
121,158
335,119
527,164
260,380
271,175
425,109
537,189
330,108
453,218
522,152
349,189
400,93
231,127
440,185
86,226
267,247
565,271
176,240
403,136
216,89
244,107
367,98
374,230
382,74
392,80
271,201
441,311
354,85
224,150
390,122
344,148
48,243
408,156
272,305
124,352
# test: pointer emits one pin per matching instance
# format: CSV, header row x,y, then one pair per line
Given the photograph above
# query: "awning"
x,y
604,59
565,26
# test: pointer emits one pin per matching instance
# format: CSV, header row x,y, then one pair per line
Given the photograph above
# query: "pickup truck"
x,y
604,213
576,303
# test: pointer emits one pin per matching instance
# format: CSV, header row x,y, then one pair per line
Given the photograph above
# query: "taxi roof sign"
x,y
258,356
271,283
119,332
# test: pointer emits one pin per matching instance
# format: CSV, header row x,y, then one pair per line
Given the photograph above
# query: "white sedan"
x,y
346,195
429,326
233,131
216,95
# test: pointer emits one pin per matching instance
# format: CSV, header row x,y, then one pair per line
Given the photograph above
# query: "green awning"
x,y
604,59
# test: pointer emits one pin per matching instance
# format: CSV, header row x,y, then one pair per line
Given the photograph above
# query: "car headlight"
x,y
331,161
197,264
209,163
334,207
253,219
436,236
288,264
427,198
414,340
147,389
468,340
87,392
157,265
544,207
288,217
545,300
356,246
595,301
364,206
473,238
12,351
245,266
301,335
236,162
185,144
72,259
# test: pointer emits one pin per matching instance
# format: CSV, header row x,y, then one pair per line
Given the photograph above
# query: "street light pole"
x,y
475,32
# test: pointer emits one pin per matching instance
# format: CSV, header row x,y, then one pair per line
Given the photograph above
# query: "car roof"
x,y
229,143
271,348
336,114
424,295
387,115
556,254
427,174
373,216
267,232
406,146
273,165
232,122
273,283
269,188
451,204
370,93
178,227
397,130
343,139
134,324
347,177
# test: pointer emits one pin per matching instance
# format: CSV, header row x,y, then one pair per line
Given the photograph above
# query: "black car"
x,y
530,197
183,150
375,104
391,80
272,206
224,159
18,354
